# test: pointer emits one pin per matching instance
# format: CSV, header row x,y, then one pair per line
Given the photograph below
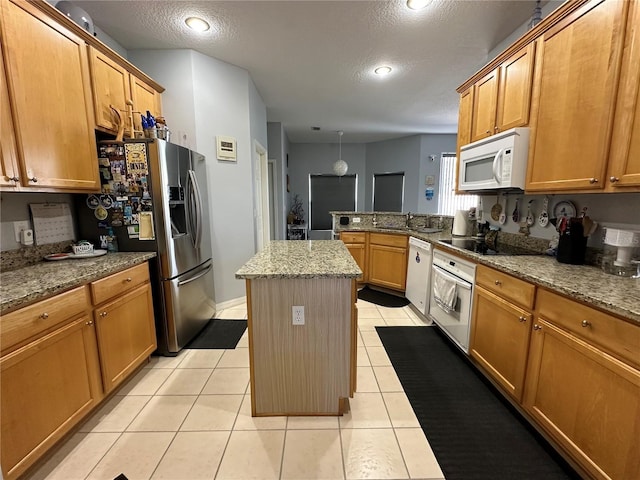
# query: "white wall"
x,y
278,151
207,97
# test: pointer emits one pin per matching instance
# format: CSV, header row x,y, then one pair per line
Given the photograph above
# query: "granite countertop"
x,y
617,295
26,285
301,259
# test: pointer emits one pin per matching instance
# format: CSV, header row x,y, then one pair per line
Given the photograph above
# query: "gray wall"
x,y
209,97
318,158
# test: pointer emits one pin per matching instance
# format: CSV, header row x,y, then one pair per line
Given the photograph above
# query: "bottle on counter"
x,y
112,241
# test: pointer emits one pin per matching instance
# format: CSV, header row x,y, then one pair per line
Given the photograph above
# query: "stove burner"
x,y
481,247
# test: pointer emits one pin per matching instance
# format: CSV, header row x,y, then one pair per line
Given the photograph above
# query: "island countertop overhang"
x,y
301,259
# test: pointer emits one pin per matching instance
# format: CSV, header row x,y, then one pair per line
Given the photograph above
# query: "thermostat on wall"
x,y
226,148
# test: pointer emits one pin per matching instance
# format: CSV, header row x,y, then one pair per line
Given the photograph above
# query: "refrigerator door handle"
x,y
194,278
194,209
198,208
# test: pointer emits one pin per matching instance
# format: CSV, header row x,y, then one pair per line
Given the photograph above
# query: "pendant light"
x,y
340,167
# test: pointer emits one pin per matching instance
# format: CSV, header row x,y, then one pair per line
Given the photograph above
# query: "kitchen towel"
x,y
444,291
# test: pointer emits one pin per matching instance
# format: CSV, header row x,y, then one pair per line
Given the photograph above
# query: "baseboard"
x,y
234,302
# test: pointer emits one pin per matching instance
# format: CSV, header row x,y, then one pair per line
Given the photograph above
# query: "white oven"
x,y
452,280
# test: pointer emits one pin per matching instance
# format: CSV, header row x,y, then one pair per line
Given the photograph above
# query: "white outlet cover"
x,y
297,314
19,226
355,219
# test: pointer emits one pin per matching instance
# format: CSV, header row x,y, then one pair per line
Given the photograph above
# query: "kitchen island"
x,y
307,368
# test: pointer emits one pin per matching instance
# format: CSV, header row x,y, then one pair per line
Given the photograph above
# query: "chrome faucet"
x,y
408,222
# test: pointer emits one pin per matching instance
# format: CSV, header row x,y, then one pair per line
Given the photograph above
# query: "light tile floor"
x,y
189,418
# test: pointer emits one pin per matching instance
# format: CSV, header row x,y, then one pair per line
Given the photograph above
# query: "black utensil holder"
x,y
572,244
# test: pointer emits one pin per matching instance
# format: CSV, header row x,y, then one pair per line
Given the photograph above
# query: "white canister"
x,y
460,223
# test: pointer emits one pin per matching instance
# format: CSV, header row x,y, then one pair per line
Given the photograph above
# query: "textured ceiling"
x,y
312,61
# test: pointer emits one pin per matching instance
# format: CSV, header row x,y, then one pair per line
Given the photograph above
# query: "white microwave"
x,y
495,162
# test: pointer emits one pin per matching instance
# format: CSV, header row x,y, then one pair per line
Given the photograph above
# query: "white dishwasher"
x,y
419,274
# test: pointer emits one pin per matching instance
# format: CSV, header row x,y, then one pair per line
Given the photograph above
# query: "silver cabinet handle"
x,y
103,314
537,327
44,315
586,323
33,179
14,179
498,282
593,180
522,319
90,322
613,179
128,279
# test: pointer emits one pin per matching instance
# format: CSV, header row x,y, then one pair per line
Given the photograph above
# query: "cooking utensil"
x,y
496,209
515,216
543,218
120,134
530,219
503,215
587,225
480,212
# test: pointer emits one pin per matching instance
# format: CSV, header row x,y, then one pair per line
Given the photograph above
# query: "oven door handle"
x,y
459,282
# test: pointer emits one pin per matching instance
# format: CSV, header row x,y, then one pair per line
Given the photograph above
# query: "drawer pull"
x,y
498,282
613,179
593,180
14,179
586,323
128,279
90,322
44,316
103,314
33,179
537,327
522,319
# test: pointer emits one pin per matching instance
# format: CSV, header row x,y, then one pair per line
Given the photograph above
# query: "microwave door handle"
x,y
496,159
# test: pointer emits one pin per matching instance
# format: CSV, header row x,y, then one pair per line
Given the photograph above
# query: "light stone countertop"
x,y
26,285
617,295
301,259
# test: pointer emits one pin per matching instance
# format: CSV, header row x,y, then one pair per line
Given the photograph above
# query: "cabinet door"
x,y
126,334
624,162
485,98
110,83
500,340
388,266
8,154
48,77
587,400
514,92
464,119
359,253
144,98
47,387
576,75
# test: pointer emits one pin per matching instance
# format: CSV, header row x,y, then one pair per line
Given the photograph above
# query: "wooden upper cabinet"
x,y
464,119
502,98
624,159
514,91
110,83
576,76
484,106
50,91
9,176
145,97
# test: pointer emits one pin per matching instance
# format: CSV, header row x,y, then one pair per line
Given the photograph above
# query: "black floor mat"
x,y
219,334
380,298
475,434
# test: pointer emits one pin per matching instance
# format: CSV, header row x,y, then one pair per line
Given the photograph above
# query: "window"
x,y
448,200
330,193
388,192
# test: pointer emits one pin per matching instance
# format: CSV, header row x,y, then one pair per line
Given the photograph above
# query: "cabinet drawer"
x,y
29,321
388,239
353,237
118,283
506,286
617,337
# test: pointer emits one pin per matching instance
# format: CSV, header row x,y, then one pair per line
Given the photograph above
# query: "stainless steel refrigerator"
x,y
154,198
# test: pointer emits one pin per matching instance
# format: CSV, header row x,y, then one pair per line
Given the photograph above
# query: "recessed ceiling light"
x,y
382,70
197,24
417,4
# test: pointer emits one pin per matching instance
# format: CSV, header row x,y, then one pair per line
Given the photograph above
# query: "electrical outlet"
x,y
19,226
355,219
298,315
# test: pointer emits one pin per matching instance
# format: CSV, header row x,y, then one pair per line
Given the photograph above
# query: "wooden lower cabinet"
x,y
47,387
388,260
356,243
126,334
587,400
500,340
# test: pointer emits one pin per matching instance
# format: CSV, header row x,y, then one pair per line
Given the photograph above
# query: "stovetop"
x,y
481,247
